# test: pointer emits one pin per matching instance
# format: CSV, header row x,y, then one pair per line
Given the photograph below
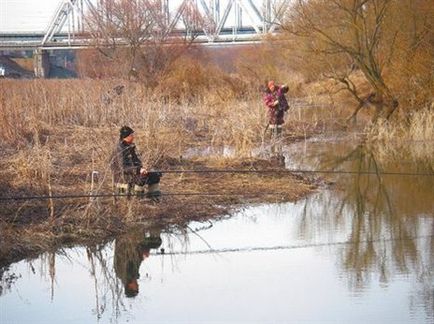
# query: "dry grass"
x,y
30,229
33,110
415,137
55,133
418,128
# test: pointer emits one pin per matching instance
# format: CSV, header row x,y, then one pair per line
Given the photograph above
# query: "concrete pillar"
x,y
41,63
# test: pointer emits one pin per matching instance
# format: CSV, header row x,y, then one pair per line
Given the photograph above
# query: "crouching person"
x,y
129,176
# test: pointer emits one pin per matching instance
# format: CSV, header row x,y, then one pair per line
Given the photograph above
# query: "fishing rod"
x,y
286,171
241,171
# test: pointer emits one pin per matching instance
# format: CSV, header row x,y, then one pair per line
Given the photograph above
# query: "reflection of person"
x,y
130,250
128,172
277,105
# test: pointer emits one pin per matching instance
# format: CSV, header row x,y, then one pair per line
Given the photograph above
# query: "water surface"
x,y
361,252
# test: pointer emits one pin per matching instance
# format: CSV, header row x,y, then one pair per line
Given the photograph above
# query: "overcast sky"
x,y
35,15
26,15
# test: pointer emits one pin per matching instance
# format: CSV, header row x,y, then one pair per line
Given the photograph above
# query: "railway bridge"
x,y
220,22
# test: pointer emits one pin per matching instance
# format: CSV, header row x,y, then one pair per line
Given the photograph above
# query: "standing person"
x,y
277,105
128,172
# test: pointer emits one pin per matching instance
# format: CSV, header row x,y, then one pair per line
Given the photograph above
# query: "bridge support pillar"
x,y
41,63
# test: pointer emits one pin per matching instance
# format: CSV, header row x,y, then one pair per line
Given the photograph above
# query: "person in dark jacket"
x,y
128,172
277,105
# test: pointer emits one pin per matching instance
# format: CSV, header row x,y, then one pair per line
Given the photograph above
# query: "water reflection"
x,y
7,280
131,249
381,245
376,231
115,269
376,195
287,250
383,215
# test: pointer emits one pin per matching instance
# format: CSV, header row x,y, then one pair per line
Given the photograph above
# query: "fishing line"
x,y
240,171
291,247
298,171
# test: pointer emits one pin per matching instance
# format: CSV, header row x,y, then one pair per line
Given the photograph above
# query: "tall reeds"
x,y
58,132
414,137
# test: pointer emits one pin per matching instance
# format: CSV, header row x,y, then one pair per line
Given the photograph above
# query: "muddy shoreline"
x,y
36,229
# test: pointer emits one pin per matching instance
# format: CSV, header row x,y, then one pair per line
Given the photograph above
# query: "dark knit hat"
x,y
125,131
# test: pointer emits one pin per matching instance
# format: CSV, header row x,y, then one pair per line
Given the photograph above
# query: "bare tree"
x,y
142,34
343,35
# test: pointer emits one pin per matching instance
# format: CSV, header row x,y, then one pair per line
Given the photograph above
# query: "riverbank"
x,y
30,227
366,234
56,134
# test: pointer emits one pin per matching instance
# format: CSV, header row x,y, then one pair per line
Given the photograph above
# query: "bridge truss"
x,y
222,21
207,21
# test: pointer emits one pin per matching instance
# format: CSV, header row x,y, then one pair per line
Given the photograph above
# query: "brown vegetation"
x,y
389,42
137,38
55,133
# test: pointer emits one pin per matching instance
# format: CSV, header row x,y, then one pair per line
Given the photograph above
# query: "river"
x,y
361,251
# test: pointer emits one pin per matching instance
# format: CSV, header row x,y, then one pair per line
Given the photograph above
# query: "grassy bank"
x,y
33,226
56,133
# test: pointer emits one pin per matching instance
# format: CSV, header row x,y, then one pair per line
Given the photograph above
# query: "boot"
x,y
154,192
